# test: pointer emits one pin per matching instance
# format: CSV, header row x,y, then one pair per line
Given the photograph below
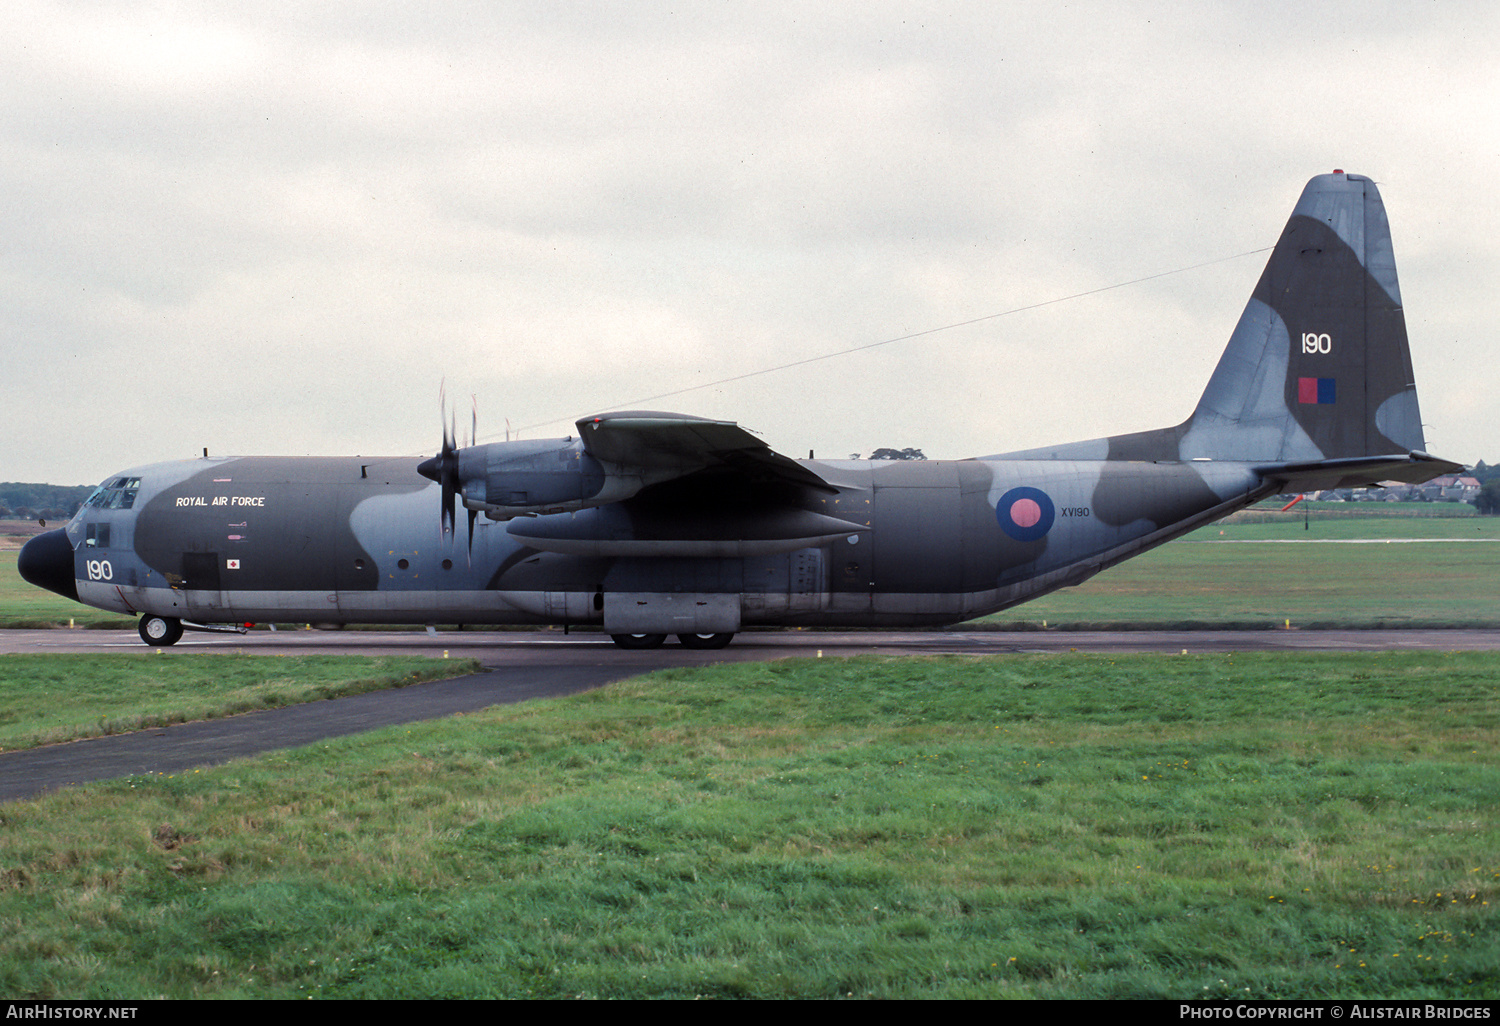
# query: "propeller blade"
x,y
443,468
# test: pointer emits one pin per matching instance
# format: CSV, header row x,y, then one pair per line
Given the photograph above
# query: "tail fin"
x,y
1316,385
1318,367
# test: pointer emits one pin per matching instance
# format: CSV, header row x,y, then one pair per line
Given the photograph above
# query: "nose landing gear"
x,y
160,630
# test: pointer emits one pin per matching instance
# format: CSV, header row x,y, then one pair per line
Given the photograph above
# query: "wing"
x,y
672,483
676,485
661,446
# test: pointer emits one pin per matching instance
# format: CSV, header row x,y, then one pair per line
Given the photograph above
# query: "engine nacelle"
x,y
506,479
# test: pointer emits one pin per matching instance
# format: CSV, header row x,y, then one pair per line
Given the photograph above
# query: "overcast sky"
x,y
280,227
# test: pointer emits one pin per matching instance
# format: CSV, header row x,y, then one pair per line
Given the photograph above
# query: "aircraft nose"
x,y
47,562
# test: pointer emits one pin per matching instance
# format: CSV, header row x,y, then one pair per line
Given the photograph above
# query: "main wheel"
x,y
160,630
638,640
704,640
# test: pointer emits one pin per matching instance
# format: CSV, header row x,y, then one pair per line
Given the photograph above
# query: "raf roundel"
x,y
1025,514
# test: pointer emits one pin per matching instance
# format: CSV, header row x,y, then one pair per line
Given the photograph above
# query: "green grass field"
x,y
1069,826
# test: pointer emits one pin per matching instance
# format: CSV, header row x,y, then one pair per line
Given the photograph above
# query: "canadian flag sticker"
x,y
232,564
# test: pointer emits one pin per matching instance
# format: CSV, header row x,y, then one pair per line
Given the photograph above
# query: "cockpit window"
x,y
116,494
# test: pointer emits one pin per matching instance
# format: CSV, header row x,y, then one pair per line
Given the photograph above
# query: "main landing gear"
x,y
160,630
655,640
704,640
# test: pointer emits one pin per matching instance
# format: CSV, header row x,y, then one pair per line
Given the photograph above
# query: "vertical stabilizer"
x,y
1318,367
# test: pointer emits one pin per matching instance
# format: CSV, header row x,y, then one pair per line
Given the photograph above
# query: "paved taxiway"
x,y
535,664
545,647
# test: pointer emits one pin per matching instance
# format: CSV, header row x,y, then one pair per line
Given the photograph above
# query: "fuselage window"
x,y
97,536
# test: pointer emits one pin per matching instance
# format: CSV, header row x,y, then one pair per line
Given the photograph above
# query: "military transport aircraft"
x,y
649,524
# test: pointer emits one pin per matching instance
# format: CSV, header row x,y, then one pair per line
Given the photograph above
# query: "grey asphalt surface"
x,y
523,665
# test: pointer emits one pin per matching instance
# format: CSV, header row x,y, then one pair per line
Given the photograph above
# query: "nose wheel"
x,y
160,630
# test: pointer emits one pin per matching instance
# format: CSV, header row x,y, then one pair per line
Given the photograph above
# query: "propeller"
x,y
473,440
443,468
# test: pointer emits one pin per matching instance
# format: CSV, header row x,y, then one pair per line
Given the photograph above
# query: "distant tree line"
x,y
1488,499
895,454
19,501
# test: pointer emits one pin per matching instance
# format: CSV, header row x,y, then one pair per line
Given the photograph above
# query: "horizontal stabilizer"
x,y
1357,472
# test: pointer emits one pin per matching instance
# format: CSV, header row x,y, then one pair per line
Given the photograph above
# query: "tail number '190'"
x,y
1312,342
100,570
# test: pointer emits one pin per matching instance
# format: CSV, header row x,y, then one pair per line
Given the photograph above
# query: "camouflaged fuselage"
x,y
357,540
654,523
